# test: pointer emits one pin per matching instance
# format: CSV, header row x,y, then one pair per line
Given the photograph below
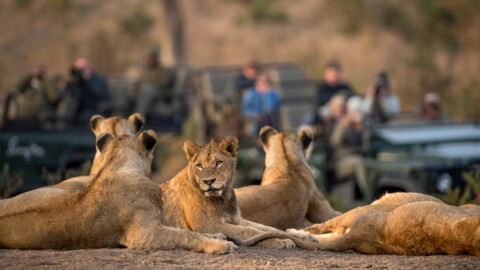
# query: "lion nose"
x,y
209,181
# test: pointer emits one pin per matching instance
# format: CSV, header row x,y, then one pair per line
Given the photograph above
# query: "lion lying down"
x,y
201,198
119,207
388,202
424,226
288,196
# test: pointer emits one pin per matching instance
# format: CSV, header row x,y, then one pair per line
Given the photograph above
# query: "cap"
x,y
432,98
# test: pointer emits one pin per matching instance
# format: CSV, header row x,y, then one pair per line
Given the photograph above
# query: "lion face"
x,y
212,166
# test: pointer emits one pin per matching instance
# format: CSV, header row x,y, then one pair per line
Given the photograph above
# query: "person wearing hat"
x,y
155,82
431,110
380,105
37,96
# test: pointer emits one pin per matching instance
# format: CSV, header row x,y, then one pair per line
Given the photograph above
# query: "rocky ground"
x,y
243,258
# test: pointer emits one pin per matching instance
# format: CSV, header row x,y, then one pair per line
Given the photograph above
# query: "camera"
x,y
76,76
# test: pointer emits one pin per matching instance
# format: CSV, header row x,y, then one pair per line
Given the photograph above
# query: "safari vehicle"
x,y
408,156
31,147
422,157
220,108
214,87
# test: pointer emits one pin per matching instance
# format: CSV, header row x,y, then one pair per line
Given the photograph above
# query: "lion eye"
x,y
199,166
219,163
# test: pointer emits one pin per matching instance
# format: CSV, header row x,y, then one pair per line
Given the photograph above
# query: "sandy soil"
x,y
244,258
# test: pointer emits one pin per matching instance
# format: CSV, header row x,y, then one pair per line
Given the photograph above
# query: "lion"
x,y
200,198
114,125
287,196
388,202
417,228
121,206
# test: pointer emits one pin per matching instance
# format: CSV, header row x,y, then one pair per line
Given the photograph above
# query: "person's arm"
x,y
368,100
99,87
52,92
250,103
24,83
339,131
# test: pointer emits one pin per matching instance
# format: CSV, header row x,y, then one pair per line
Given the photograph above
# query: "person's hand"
x,y
346,120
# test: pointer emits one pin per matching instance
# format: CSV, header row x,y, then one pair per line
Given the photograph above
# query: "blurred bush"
x,y
469,195
58,176
262,12
137,22
9,183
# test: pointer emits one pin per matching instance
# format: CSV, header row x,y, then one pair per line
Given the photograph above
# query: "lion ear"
x,y
103,140
148,139
95,121
191,150
230,145
265,133
306,137
137,120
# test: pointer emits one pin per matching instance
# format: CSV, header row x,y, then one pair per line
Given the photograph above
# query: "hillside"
x,y
425,45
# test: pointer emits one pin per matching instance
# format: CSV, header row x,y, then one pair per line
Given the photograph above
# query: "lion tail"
x,y
268,235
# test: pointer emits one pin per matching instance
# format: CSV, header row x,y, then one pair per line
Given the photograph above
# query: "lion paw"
x,y
221,247
219,236
315,229
304,235
277,243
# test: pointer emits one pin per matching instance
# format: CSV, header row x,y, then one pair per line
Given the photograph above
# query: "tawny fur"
x,y
417,228
114,125
190,203
288,196
117,126
121,206
386,203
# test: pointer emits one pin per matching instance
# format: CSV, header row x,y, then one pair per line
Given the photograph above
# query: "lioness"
x,y
287,196
201,198
116,126
388,202
119,207
418,228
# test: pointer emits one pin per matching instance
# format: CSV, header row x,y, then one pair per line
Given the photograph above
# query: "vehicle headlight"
x,y
444,181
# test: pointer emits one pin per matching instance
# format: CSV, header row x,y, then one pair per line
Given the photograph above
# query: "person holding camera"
x,y
380,105
87,92
37,96
347,144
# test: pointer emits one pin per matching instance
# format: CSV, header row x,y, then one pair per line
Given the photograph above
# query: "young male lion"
x,y
201,198
287,196
119,207
114,125
418,228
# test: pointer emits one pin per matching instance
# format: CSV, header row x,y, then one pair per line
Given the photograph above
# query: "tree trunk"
x,y
174,23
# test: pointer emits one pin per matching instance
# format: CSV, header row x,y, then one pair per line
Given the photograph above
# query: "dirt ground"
x,y
243,258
